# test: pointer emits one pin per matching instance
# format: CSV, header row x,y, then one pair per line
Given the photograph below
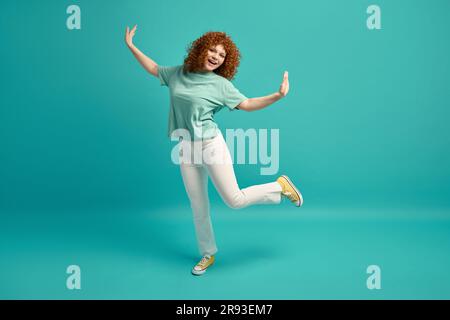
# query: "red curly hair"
x,y
198,50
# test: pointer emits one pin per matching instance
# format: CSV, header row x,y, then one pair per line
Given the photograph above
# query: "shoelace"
x,y
203,262
290,196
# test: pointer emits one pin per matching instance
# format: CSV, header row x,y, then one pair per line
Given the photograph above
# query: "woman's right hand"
x,y
129,36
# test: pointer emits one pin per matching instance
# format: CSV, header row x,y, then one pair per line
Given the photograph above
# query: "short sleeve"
x,y
231,96
165,73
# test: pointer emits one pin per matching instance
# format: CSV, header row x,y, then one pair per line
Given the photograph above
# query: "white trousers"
x,y
212,157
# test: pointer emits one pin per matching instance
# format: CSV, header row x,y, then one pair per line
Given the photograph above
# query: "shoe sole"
x,y
300,201
200,272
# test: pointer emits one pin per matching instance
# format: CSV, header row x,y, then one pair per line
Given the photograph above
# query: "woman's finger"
x,y
284,87
283,82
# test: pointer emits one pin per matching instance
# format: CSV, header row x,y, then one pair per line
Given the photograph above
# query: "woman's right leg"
x,y
195,180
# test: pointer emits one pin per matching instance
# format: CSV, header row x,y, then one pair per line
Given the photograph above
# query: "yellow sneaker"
x,y
200,268
290,191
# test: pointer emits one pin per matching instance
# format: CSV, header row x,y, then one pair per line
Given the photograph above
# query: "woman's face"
x,y
215,57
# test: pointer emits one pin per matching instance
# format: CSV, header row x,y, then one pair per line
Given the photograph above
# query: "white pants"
x,y
219,167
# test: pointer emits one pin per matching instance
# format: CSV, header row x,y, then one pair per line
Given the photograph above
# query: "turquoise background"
x,y
86,176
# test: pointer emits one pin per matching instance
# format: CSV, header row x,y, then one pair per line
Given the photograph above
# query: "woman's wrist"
x,y
278,96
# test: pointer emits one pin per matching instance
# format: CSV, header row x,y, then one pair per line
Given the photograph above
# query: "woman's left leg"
x,y
223,177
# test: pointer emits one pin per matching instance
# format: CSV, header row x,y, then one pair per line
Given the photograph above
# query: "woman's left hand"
x,y
284,87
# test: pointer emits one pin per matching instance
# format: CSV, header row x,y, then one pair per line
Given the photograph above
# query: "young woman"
x,y
198,89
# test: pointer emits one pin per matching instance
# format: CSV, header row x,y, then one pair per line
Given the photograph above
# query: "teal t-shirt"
x,y
195,98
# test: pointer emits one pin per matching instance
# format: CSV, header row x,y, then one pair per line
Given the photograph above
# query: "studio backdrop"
x,y
87,178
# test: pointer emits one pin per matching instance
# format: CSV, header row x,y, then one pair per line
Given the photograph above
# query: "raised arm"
x,y
145,61
253,104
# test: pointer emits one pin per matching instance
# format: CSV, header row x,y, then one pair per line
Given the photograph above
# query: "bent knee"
x,y
236,202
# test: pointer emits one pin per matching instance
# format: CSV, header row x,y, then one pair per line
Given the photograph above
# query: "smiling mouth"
x,y
212,62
